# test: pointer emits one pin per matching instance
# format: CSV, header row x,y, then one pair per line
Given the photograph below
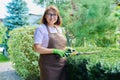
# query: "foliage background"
x,y
2,32
91,24
87,24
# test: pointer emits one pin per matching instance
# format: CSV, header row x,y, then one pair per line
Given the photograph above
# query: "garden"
x,y
91,27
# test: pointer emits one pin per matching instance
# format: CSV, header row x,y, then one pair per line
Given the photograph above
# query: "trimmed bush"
x,y
24,59
103,65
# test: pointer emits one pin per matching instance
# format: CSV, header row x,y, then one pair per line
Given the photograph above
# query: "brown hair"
x,y
59,20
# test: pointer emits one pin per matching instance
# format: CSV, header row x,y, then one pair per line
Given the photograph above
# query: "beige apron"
x,y
51,66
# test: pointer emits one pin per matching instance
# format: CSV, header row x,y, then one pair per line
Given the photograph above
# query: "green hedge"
x,y
103,65
24,59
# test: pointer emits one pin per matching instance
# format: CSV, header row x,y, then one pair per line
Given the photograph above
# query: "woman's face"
x,y
51,17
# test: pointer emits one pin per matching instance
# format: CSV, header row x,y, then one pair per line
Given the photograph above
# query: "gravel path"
x,y
7,72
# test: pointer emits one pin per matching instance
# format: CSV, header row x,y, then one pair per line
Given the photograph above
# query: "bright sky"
x,y
33,8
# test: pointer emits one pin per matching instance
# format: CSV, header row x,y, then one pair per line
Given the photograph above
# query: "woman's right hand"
x,y
59,52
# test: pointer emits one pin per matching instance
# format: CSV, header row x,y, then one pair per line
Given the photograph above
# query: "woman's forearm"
x,y
38,48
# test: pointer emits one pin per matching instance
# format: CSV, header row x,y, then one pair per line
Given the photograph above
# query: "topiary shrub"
x,y
103,65
22,55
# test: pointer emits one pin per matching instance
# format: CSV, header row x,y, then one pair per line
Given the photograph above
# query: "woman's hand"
x,y
59,52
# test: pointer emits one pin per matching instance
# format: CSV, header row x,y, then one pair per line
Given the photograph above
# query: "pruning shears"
x,y
71,52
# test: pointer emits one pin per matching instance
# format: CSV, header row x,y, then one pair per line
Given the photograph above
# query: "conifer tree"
x,y
18,13
17,10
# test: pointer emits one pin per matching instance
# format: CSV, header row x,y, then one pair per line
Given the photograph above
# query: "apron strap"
x,y
49,30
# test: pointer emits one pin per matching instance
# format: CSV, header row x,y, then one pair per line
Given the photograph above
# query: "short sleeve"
x,y
38,36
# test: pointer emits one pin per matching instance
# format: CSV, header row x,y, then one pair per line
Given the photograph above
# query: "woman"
x,y
50,43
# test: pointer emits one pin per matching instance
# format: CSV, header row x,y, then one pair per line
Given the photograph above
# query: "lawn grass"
x,y
3,58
